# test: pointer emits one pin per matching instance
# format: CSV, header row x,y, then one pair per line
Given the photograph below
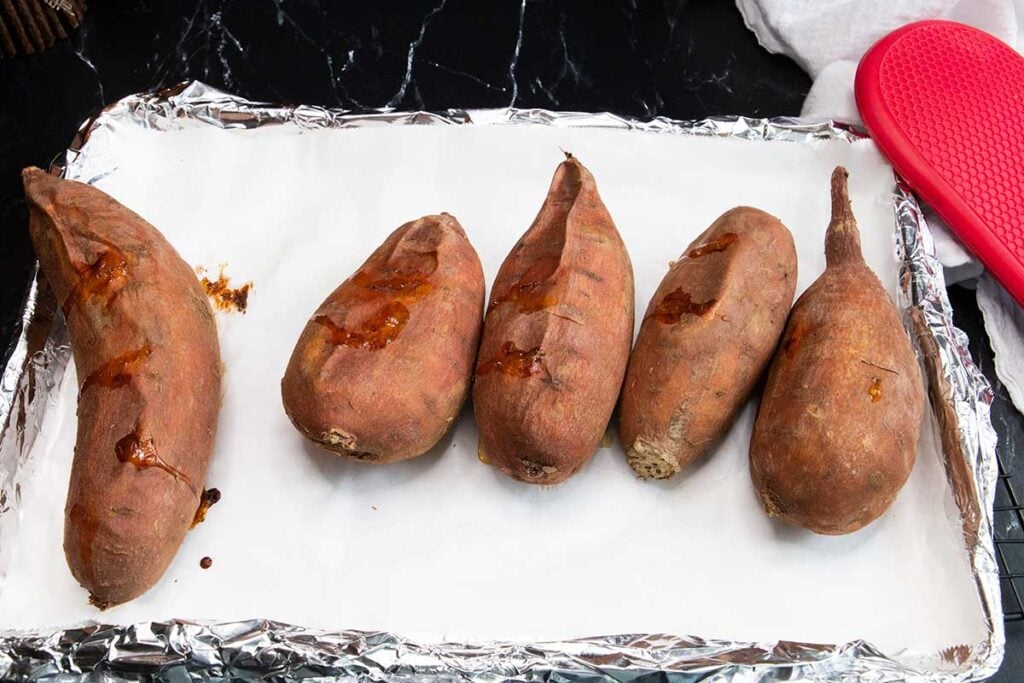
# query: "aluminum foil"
x,y
184,650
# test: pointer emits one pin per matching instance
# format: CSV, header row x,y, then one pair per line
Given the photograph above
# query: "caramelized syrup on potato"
x,y
678,303
117,371
716,245
384,326
513,361
383,280
142,453
376,333
875,390
531,296
98,278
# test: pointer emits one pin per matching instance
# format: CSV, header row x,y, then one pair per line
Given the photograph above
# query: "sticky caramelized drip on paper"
x,y
209,498
225,297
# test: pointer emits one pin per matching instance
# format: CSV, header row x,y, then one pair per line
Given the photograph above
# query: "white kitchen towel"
x,y
827,38
1004,321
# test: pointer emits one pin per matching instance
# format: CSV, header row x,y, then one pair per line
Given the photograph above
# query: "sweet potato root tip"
x,y
535,470
99,603
842,212
648,461
346,444
842,240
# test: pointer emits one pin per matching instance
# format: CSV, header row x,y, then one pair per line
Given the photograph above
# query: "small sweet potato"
x,y
145,346
705,340
836,431
556,336
383,367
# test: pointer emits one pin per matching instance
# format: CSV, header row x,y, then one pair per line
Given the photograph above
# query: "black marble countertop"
x,y
677,58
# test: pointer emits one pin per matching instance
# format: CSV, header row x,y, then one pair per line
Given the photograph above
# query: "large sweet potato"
x,y
837,428
145,347
383,367
706,338
556,336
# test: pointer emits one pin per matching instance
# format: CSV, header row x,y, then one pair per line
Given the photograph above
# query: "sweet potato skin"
x,y
556,337
836,431
383,366
706,338
145,346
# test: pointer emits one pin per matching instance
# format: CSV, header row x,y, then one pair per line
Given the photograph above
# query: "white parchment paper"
x,y
444,547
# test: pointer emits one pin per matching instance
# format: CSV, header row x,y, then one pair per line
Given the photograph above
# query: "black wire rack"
x,y
1009,538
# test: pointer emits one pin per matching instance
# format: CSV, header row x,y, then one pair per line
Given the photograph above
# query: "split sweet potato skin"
x,y
836,431
556,337
384,365
706,338
145,346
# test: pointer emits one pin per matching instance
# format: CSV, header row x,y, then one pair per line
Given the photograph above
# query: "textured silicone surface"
x,y
945,103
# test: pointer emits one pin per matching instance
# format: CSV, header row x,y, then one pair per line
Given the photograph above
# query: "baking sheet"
x,y
256,646
443,547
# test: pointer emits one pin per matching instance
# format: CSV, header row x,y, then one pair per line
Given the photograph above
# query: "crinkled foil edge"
x,y
258,648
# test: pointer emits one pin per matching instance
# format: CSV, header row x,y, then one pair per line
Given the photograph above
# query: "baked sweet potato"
x,y
383,367
836,431
145,347
556,336
705,340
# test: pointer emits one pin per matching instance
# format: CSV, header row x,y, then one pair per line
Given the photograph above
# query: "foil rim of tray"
x,y
959,393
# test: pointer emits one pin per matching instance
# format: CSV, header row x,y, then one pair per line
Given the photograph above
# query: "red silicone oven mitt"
x,y
945,103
